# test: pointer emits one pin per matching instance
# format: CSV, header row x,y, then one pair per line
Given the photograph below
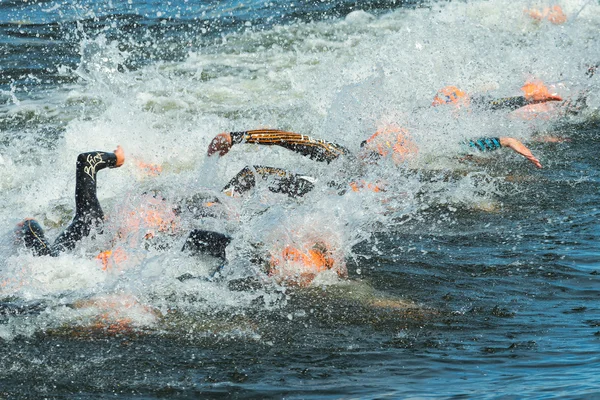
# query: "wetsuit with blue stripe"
x,y
485,144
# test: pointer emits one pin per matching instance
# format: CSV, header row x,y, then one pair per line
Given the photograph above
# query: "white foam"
x,y
338,80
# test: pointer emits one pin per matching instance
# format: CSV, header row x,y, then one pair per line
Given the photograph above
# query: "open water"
x,y
468,278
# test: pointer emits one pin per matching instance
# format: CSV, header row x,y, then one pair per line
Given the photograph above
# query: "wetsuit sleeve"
x,y
88,212
34,239
506,103
279,181
201,242
485,144
315,149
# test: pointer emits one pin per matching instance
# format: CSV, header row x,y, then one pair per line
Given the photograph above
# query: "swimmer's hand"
x,y
520,148
120,153
220,144
545,99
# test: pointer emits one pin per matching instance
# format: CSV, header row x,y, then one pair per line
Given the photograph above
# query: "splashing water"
x,y
163,83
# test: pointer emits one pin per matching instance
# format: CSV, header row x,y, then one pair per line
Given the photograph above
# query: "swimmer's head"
x,y
147,216
298,266
554,14
391,141
451,95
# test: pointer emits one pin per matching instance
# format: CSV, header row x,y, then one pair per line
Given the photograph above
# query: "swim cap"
x,y
450,95
300,266
554,14
392,140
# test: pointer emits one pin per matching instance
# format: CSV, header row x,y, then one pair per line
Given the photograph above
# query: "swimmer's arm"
x,y
315,149
490,144
281,181
511,103
520,148
506,103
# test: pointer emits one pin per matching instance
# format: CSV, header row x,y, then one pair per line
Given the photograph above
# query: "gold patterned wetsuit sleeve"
x,y
315,149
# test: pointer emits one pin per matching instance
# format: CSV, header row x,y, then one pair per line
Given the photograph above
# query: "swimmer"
x,y
390,141
89,216
533,93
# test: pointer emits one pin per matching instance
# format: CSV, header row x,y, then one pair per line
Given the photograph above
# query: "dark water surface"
x,y
503,295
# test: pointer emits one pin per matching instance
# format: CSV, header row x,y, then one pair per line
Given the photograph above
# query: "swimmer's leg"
x,y
88,213
280,181
211,243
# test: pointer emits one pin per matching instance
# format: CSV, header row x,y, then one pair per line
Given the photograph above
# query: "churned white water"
x,y
340,80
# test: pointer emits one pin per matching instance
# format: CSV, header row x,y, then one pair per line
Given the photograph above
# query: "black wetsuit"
x,y
315,149
279,181
297,185
506,103
88,213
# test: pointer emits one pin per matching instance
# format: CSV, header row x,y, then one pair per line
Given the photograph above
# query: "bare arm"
x,y
491,144
520,148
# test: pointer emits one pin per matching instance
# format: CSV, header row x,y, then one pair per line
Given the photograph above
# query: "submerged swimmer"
x,y
537,102
533,93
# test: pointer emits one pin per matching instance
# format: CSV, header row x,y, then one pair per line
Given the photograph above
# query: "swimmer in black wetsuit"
x,y
88,213
295,185
535,93
395,141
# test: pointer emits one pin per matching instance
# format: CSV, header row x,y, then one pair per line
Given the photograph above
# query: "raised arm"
x,y
490,144
315,149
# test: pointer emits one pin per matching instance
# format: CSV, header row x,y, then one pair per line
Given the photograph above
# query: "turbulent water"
x,y
471,276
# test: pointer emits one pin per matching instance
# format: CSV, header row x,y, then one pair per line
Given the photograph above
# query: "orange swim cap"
x,y
153,215
554,14
450,95
149,169
395,141
300,266
357,186
112,260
